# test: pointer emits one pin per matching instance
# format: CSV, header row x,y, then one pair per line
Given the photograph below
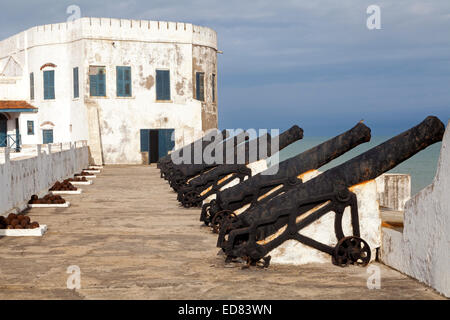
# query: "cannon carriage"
x,y
209,183
257,231
267,185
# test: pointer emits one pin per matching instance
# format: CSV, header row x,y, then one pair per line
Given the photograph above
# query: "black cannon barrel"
x,y
286,138
179,174
190,146
219,176
166,165
241,153
362,168
238,196
229,147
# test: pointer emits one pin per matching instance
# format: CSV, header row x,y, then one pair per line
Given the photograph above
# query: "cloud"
x,y
301,59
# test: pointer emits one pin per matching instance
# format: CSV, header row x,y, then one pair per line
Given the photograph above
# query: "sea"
x,y
422,166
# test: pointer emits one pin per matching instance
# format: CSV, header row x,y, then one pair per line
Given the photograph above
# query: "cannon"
x,y
165,164
254,233
210,182
263,186
180,174
177,170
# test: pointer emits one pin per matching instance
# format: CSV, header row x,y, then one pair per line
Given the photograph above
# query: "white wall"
x,y
422,250
20,179
394,190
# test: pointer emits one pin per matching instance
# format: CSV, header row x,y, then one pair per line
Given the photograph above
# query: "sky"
x,y
311,63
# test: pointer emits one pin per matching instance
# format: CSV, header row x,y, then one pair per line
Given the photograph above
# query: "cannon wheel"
x,y
221,218
351,250
206,213
190,199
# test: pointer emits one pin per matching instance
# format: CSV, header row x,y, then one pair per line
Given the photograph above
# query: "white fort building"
x,y
125,86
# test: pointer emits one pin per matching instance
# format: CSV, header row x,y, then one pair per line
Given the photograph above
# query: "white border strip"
x,y
37,232
78,191
82,183
54,205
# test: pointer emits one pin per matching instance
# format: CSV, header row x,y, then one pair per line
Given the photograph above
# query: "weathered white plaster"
x,y
422,250
394,190
21,178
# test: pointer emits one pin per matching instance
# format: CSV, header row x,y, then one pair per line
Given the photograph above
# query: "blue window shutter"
x,y
165,142
162,85
32,86
76,85
30,127
93,85
167,85
47,136
123,81
46,85
52,85
49,84
159,85
127,82
101,84
213,86
200,86
197,89
145,138
119,82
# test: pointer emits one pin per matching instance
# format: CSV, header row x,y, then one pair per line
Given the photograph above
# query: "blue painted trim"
x,y
18,110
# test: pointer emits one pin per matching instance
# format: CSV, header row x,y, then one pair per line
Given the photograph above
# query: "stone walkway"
x,y
131,240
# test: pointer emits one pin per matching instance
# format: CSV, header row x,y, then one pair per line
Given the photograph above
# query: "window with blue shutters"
x,y
76,84
97,81
200,86
49,84
30,127
123,75
47,136
162,85
32,86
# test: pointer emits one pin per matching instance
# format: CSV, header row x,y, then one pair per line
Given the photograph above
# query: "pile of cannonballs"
x,y
17,221
47,199
78,179
83,173
63,186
